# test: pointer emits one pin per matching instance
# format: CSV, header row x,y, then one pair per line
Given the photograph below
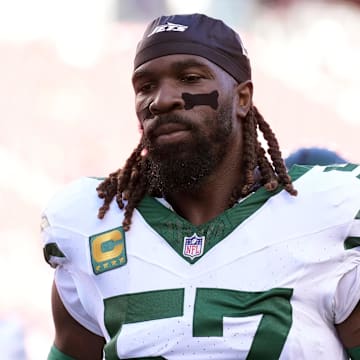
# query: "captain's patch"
x,y
107,250
193,246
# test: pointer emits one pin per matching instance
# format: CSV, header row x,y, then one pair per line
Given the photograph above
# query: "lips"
x,y
167,129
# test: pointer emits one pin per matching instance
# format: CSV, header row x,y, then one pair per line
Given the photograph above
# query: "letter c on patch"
x,y
107,246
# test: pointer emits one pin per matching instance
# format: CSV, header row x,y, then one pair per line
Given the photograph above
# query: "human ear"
x,y
244,92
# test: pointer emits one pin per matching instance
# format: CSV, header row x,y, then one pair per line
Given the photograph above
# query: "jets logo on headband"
x,y
168,27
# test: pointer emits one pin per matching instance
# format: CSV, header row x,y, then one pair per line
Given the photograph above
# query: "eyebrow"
x,y
177,66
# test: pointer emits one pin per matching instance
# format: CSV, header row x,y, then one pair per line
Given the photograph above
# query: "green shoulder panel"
x,y
347,168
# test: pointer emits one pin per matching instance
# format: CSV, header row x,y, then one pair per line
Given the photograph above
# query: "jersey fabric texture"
x,y
266,279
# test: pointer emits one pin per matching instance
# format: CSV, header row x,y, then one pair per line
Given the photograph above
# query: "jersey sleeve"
x,y
57,228
347,294
53,253
63,248
68,292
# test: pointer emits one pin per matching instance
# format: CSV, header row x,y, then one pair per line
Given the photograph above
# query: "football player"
x,y
203,246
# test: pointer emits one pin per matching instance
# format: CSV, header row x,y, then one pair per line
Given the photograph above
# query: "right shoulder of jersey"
x,y
70,217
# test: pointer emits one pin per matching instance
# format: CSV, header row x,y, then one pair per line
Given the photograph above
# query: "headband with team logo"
x,y
195,34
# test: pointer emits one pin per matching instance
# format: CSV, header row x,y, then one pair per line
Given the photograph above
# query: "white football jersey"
x,y
266,279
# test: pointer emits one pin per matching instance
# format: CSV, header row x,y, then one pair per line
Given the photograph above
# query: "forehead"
x,y
175,63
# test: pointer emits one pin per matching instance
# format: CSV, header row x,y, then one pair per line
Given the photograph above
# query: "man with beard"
x,y
199,248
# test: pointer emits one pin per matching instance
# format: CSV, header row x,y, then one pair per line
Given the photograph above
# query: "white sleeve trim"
x,y
347,295
66,287
355,228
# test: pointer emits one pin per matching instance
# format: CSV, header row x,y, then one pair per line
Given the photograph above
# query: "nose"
x,y
167,97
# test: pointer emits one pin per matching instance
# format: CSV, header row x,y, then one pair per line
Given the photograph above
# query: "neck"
x,y
208,201
212,195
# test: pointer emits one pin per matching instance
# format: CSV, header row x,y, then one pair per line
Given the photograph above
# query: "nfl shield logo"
x,y
193,246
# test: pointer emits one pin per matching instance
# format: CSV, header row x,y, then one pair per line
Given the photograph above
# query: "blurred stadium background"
x,y
66,110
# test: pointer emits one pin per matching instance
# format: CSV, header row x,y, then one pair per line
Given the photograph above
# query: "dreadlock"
x,y
131,184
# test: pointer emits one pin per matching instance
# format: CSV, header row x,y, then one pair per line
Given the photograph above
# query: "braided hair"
x,y
131,182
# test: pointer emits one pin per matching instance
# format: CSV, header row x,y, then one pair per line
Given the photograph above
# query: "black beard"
x,y
184,166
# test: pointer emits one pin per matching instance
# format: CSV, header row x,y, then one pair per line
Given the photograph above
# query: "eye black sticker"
x,y
192,100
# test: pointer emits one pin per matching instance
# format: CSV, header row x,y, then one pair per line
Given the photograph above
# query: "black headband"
x,y
195,34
